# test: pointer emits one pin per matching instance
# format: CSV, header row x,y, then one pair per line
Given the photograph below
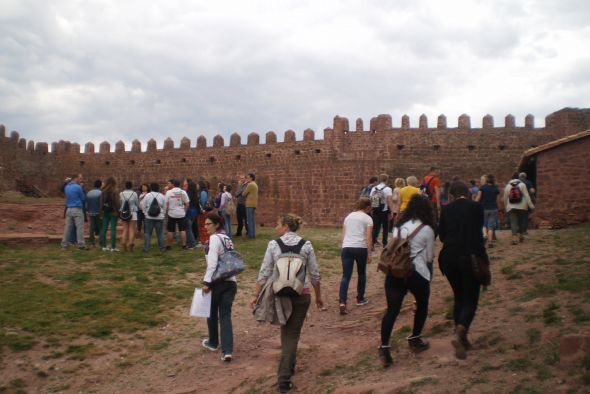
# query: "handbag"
x,y
229,263
481,269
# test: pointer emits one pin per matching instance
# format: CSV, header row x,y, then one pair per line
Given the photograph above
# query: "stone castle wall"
x,y
318,179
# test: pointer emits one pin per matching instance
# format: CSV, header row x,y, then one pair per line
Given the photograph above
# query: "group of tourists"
x,y
462,216
179,209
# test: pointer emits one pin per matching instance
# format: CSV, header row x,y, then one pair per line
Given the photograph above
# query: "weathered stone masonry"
x,y
318,179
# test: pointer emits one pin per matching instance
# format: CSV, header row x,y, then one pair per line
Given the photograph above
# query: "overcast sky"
x,y
95,70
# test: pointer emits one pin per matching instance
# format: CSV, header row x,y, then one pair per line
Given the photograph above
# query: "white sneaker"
x,y
105,249
115,250
226,357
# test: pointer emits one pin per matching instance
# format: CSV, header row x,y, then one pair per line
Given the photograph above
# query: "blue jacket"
x,y
93,202
74,195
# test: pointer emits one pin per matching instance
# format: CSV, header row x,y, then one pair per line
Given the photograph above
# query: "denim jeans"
x,y
190,235
459,273
251,221
395,291
290,334
222,298
149,225
227,225
94,226
74,219
349,256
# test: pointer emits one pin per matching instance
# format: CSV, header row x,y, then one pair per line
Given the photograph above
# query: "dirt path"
x,y
338,353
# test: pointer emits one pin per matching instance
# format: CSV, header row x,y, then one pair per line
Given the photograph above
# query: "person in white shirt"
x,y
176,201
382,208
129,226
223,293
418,220
154,222
357,235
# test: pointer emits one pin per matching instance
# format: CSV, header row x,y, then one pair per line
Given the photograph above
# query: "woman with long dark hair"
x,y
417,222
204,209
191,213
110,206
460,232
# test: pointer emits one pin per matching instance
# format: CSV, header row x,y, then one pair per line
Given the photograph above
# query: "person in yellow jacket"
x,y
251,194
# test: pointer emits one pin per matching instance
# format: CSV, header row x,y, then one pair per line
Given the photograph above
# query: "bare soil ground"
x,y
516,337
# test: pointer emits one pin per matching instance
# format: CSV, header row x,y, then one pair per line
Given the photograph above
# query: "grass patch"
x,y
415,386
534,335
17,343
550,314
519,364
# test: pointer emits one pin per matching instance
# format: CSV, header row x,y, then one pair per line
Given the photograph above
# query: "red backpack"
x,y
515,194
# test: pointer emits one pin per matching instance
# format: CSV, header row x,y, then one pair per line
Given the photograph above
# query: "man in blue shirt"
x,y
74,212
93,208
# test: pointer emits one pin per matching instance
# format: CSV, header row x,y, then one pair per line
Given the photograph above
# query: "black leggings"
x,y
395,291
459,273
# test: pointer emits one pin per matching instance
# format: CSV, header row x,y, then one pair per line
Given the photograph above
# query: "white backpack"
x,y
289,271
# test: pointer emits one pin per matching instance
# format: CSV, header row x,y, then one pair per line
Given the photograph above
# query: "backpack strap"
x,y
416,231
225,248
290,248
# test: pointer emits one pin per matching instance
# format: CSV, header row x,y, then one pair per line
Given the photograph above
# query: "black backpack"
x,y
125,213
154,209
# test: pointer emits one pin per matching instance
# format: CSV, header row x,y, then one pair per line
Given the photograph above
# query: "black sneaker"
x,y
417,344
285,387
362,302
385,356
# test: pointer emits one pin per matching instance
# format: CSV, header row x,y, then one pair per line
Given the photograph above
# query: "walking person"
x,y
287,226
129,197
489,198
154,222
357,241
417,222
517,203
110,206
241,205
396,200
460,232
406,193
382,204
223,293
93,209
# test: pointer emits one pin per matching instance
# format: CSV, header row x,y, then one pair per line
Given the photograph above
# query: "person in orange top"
x,y
432,181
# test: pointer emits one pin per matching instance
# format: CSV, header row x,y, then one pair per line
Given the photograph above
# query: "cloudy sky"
x,y
95,70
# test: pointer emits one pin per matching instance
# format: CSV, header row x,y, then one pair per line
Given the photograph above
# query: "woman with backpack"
x,y
460,232
287,226
110,206
357,235
417,224
129,203
518,203
223,293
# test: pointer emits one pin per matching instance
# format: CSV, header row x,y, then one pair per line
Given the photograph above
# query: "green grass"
x,y
550,315
47,293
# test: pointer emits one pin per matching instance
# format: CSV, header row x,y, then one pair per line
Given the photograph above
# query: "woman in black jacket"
x,y
460,232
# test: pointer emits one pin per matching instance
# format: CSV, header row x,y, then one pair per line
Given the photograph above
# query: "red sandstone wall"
x,y
319,180
563,189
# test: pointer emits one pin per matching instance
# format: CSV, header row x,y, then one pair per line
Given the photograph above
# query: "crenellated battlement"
x,y
317,178
380,123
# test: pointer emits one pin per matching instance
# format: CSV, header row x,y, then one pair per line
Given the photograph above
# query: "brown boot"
x,y
460,342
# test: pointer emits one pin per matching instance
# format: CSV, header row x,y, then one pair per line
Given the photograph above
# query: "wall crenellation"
x,y
316,178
